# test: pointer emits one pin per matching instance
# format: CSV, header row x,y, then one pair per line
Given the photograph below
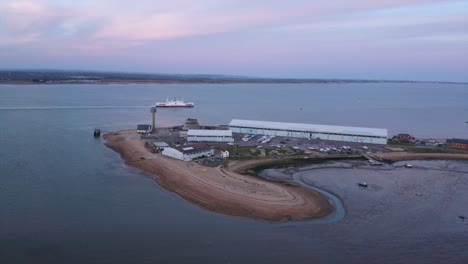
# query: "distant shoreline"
x,y
35,77
212,82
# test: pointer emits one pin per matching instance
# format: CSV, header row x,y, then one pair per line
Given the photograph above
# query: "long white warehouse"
x,y
310,131
197,135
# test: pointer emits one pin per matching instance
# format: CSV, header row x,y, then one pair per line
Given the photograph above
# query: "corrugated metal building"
x,y
310,131
194,135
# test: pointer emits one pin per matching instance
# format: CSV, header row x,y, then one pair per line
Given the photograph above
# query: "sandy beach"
x,y
221,190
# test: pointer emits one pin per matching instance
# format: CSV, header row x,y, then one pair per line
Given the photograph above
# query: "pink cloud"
x,y
215,18
27,21
226,34
154,20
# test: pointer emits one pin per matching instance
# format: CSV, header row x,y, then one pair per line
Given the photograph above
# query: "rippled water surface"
x,y
66,198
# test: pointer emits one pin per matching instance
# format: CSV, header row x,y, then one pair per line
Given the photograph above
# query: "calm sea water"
x,y
66,198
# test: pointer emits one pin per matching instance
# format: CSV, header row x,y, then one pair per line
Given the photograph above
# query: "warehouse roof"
x,y
214,133
457,141
193,148
362,131
161,144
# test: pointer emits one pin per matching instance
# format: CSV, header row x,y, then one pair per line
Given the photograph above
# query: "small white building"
x,y
144,129
197,135
224,154
188,152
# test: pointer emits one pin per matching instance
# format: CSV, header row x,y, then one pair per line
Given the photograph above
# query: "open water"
x,y
66,198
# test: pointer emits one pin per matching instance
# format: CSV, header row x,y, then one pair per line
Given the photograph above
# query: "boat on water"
x,y
375,163
174,102
97,132
363,184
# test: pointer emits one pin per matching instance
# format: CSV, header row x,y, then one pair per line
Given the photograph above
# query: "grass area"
x,y
241,151
398,143
252,151
290,161
286,163
222,163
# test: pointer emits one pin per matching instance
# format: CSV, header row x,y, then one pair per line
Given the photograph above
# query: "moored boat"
x,y
174,102
363,184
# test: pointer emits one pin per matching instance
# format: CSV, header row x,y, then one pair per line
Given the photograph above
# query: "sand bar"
x,y
400,156
221,190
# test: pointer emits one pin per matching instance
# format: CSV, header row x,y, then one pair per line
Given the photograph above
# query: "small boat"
x,y
363,184
407,165
174,102
97,132
375,163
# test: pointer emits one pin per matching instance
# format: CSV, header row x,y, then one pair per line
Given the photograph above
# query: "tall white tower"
x,y
153,112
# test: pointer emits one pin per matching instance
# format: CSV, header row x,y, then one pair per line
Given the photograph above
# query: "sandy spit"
x,y
400,156
221,190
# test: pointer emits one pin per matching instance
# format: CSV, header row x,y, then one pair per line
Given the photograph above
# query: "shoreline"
x,y
222,190
402,156
234,189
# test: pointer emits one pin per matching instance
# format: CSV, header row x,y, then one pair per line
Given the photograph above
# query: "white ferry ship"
x,y
174,102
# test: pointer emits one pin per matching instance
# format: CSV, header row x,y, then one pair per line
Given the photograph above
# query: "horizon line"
x,y
228,76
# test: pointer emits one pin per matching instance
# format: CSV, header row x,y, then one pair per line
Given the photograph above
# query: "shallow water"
x,y
404,214
66,198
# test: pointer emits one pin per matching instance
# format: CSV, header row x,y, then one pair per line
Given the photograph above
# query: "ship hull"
x,y
174,103
174,106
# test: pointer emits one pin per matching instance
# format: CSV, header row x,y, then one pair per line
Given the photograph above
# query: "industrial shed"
x,y
310,131
209,136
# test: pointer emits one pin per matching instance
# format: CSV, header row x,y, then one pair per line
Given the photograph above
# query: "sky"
x,y
348,39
